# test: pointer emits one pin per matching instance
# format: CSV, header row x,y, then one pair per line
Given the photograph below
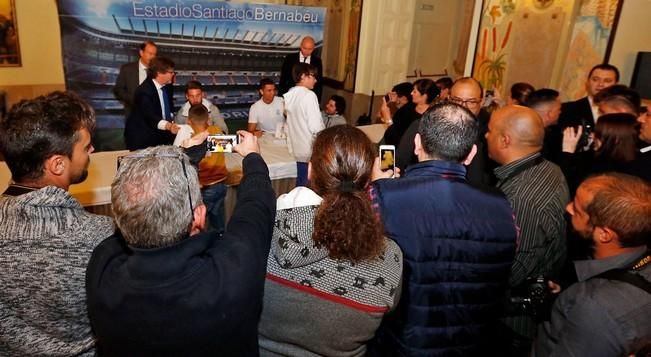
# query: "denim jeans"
x,y
213,197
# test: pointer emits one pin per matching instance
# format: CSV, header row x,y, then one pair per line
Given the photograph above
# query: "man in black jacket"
x,y
163,285
304,55
150,121
584,111
133,74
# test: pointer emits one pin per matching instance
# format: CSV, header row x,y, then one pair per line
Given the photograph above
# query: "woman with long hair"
x,y
331,272
614,147
422,96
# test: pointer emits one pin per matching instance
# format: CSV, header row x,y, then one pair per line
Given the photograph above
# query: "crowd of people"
x,y
466,248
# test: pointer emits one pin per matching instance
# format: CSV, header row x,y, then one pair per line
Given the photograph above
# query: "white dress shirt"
x,y
142,72
162,124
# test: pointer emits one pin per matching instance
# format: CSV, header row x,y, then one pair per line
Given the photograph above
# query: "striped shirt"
x,y
538,193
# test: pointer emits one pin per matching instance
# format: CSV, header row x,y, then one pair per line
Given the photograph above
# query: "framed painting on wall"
x,y
9,46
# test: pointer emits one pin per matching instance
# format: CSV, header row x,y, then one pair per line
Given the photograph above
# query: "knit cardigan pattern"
x,y
46,239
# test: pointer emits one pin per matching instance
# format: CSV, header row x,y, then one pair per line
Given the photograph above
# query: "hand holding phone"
x,y
388,158
248,143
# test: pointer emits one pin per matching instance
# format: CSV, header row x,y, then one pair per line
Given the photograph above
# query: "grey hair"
x,y
150,197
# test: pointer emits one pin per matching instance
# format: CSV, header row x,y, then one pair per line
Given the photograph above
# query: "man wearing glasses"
x,y
165,286
150,121
303,118
466,92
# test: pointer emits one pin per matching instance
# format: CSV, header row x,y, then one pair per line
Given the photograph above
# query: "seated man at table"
x,y
46,235
267,114
163,285
333,112
212,168
195,95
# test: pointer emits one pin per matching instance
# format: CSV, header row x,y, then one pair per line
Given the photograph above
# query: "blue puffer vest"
x,y
458,244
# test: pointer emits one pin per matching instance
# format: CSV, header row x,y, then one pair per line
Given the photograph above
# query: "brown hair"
x,y
159,65
193,85
618,135
345,223
521,91
623,204
198,114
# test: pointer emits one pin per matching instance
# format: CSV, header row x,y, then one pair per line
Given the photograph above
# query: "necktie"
x,y
166,104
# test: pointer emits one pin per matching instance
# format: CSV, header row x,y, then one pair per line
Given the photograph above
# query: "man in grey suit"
x,y
133,74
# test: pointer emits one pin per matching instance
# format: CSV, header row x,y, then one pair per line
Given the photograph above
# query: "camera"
x,y
533,298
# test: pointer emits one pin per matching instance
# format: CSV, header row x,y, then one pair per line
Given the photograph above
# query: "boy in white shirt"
x,y
303,118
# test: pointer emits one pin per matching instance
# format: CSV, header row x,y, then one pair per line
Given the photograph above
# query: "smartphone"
x,y
387,99
222,143
388,158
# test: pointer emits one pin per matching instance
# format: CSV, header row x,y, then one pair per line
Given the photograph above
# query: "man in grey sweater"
x,y
46,237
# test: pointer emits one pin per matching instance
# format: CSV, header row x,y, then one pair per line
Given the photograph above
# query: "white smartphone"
x,y
221,143
388,158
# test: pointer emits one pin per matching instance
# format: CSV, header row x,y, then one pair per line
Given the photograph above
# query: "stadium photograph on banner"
x,y
228,47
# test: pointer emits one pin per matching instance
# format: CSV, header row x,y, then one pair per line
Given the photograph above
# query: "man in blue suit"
x,y
150,121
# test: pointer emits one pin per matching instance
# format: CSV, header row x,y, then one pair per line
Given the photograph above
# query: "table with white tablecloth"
x,y
95,192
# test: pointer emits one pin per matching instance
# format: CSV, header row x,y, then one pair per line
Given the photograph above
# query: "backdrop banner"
x,y
228,47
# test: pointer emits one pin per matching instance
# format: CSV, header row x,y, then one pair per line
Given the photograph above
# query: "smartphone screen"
x,y
387,157
221,143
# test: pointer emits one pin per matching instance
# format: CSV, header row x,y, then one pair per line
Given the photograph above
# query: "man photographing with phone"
x,y
164,285
212,168
453,236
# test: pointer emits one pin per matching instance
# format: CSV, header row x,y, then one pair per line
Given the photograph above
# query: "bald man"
x,y
304,55
538,194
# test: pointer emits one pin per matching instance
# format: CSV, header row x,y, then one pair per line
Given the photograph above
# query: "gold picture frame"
x,y
9,44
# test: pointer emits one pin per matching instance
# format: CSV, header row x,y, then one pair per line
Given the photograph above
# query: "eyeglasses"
x,y
465,102
171,72
170,156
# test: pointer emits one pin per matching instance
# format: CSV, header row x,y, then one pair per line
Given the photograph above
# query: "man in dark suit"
x,y
304,55
150,121
584,111
641,167
133,74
